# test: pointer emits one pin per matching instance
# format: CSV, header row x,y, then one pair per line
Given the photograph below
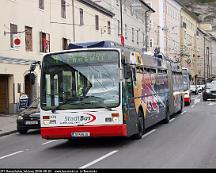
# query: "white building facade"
x,y
29,29
165,27
135,18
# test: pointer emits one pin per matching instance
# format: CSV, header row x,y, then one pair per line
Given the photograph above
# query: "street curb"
x,y
8,133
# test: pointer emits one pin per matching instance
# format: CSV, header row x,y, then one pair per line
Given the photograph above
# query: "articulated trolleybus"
x,y
104,90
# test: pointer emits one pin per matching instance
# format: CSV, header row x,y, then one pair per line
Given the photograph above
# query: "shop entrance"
x,y
4,103
28,86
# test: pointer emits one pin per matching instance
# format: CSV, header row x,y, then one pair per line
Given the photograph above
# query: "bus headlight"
x,y
115,117
46,122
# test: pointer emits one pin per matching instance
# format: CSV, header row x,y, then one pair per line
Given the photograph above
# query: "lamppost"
x,y
121,20
204,59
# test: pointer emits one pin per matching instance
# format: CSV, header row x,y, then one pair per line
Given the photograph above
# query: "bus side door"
x,y
130,104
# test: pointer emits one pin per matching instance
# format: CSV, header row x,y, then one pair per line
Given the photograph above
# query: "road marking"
x,y
49,142
196,97
212,104
183,112
149,133
12,154
197,101
172,119
98,160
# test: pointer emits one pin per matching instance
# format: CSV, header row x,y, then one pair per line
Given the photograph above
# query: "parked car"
x,y
194,89
210,91
29,118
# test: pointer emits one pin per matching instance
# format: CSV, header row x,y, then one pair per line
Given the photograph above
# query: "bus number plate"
x,y
80,134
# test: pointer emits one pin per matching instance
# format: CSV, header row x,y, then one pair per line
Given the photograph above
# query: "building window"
x,y
125,6
81,17
44,42
137,36
117,2
28,38
126,34
132,34
184,25
143,39
65,43
151,43
19,88
63,8
41,4
109,27
97,22
13,30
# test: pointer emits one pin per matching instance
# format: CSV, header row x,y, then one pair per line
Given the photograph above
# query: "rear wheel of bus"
x,y
182,106
141,126
167,119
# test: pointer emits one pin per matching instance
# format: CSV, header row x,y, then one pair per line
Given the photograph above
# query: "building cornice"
x,y
97,7
9,60
147,6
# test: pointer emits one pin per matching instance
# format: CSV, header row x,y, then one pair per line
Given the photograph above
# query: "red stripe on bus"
x,y
95,131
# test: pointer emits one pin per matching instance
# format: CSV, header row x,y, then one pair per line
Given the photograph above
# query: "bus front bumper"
x,y
94,131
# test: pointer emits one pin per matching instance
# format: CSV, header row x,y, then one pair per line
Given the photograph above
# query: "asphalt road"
x,y
187,142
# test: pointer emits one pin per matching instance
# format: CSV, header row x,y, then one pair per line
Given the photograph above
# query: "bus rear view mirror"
x,y
127,71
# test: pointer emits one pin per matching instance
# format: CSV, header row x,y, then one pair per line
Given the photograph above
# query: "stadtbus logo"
x,y
79,119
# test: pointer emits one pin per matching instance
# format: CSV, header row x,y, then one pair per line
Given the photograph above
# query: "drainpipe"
x,y
73,16
146,27
204,59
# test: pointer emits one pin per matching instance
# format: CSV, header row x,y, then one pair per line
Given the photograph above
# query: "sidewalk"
x,y
7,124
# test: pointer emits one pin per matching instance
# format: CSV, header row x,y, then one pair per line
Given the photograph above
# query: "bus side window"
x,y
134,74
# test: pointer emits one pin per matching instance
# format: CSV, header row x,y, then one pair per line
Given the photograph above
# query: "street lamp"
x,y
121,19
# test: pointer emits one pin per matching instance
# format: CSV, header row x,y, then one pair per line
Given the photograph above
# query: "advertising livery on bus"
x,y
100,89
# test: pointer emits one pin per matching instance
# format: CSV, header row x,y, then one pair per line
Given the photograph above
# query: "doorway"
x,y
28,86
4,97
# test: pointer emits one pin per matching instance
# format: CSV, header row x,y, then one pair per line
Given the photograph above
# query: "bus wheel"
x,y
141,126
182,106
167,119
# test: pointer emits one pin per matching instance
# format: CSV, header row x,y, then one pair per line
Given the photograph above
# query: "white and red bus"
x,y
186,83
103,90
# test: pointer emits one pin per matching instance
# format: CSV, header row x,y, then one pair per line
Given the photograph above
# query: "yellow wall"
x,y
188,42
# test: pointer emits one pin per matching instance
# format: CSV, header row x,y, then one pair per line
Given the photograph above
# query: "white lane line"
x,y
49,142
196,97
172,119
211,104
98,160
149,133
183,112
197,101
12,154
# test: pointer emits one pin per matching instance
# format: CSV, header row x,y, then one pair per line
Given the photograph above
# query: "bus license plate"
x,y
80,134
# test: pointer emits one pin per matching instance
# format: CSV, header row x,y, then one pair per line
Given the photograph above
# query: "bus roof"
x,y
94,44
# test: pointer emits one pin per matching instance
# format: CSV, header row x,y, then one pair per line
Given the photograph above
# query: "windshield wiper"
x,y
69,101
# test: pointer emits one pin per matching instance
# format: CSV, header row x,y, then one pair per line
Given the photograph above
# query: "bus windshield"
x,y
80,80
186,81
